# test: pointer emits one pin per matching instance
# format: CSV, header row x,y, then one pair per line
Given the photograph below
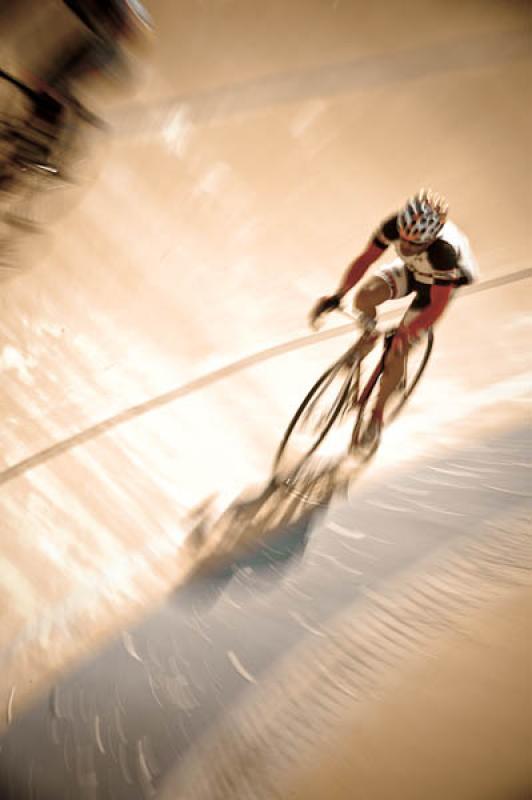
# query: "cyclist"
x,y
108,26
433,259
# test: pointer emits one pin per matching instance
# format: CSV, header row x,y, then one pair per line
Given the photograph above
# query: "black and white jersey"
x,y
447,260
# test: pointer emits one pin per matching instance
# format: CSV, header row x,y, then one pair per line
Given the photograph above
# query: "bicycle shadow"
x,y
261,536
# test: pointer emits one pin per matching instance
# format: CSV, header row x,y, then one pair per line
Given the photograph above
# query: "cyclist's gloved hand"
x,y
324,306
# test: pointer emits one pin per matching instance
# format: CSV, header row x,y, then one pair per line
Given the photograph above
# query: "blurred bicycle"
x,y
44,146
46,143
340,399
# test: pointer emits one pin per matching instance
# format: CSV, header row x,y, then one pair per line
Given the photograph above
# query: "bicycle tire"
x,y
313,395
405,393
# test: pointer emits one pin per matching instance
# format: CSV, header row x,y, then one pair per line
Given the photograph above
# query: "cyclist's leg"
x,y
394,370
388,283
395,363
370,295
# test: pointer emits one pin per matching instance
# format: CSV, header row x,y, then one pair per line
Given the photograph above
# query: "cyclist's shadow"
x,y
261,536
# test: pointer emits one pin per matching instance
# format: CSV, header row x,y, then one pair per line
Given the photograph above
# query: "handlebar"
x,y
368,324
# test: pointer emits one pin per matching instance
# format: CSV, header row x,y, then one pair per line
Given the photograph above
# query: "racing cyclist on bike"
x,y
433,259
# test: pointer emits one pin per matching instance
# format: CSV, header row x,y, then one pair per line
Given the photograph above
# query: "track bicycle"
x,y
341,399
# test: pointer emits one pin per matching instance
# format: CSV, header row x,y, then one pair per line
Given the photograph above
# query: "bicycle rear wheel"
x,y
416,363
324,407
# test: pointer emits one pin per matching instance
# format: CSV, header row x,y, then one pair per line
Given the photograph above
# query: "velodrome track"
x,y
153,345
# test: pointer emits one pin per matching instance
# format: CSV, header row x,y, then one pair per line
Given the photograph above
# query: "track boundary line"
x,y
202,381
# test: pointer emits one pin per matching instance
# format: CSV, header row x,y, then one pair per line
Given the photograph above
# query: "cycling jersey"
x,y
447,260
432,273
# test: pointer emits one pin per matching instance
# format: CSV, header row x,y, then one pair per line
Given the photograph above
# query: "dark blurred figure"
x,y
111,32
111,27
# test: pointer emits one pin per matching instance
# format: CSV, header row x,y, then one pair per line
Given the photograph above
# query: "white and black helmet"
x,y
423,217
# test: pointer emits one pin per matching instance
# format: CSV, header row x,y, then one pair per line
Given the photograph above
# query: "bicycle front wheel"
x,y
416,363
325,407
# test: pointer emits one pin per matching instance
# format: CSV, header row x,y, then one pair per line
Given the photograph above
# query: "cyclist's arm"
x,y
359,267
385,234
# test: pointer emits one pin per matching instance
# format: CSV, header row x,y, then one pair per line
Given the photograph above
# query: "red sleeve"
x,y
359,266
439,297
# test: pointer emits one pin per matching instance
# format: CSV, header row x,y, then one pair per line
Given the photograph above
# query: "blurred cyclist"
x,y
110,26
433,259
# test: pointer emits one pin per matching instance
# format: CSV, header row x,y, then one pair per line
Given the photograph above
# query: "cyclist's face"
x,y
411,248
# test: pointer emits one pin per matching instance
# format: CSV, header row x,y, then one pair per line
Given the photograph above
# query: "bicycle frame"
x,y
349,397
374,377
388,335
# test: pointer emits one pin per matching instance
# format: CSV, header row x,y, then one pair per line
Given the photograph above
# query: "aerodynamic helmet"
x,y
423,217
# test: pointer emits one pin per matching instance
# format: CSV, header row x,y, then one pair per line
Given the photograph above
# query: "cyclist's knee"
x,y
364,301
371,295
